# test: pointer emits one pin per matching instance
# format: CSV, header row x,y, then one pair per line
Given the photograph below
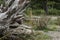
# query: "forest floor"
x,y
55,35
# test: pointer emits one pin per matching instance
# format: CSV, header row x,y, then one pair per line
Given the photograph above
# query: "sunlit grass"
x,y
41,36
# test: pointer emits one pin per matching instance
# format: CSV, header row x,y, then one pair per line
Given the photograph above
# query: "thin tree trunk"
x,y
45,7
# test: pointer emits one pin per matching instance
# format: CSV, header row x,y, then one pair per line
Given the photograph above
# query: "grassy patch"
x,y
41,36
52,27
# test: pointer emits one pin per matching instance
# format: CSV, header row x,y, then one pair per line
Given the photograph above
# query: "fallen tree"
x,y
11,19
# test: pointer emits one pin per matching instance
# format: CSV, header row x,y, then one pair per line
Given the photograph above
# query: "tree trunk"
x,y
45,7
11,17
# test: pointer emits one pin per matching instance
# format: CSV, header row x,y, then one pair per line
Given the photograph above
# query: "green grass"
x,y
41,36
37,36
48,28
37,12
53,27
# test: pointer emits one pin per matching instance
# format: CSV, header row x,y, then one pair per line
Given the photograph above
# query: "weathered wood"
x,y
11,14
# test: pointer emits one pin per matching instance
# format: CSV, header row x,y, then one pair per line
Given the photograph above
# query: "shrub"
x,y
40,23
43,22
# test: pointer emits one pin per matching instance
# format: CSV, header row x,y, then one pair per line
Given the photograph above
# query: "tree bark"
x,y
13,15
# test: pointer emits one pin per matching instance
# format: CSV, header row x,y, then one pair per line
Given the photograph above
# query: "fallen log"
x,y
12,16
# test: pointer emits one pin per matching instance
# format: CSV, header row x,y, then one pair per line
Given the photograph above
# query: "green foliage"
x,y
54,12
38,12
1,2
51,11
53,7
